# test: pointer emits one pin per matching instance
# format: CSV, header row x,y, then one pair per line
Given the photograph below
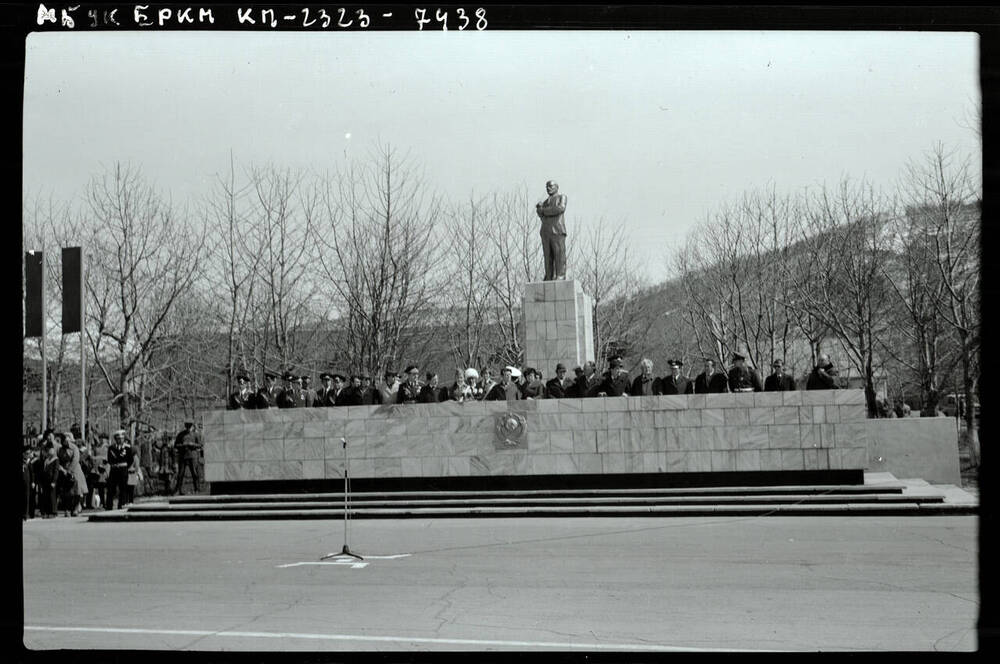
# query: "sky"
x,y
654,129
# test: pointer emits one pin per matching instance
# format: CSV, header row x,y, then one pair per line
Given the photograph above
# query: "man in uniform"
x,y
326,378
779,381
742,378
506,389
270,392
308,393
823,375
556,387
243,397
188,446
120,459
553,231
616,382
675,383
710,380
289,397
409,392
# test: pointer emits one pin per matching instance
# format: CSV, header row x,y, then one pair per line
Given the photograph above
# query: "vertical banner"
x,y
72,279
33,286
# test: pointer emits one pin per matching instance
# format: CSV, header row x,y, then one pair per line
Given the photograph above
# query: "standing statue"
x,y
553,231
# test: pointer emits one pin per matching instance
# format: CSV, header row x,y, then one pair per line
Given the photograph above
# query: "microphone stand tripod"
x,y
346,551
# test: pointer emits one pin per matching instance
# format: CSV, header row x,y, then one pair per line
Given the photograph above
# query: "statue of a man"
x,y
553,231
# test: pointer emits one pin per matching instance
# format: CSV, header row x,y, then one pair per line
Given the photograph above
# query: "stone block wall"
x,y
915,447
816,430
558,325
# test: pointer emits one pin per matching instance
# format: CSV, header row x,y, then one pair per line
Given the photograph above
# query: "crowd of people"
x,y
511,383
61,472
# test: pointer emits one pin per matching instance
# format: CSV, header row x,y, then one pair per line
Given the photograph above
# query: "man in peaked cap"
x,y
779,381
742,378
289,392
616,382
710,380
243,397
270,391
409,392
676,383
506,389
326,378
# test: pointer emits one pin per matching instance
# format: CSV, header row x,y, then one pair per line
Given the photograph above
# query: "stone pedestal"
x,y
558,326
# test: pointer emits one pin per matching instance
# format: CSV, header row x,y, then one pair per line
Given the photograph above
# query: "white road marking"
x,y
385,639
355,564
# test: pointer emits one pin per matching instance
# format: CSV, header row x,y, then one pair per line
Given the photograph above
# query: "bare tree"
x,y
847,245
143,260
381,259
944,200
613,279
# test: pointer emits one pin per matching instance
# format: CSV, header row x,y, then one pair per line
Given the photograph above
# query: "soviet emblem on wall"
x,y
509,432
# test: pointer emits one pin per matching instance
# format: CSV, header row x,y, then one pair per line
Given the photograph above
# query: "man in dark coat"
x,y
646,384
269,393
321,400
120,459
430,392
188,446
742,378
556,387
616,382
710,380
779,381
592,380
409,392
578,386
823,375
506,389
243,397
676,383
369,395
342,394
289,397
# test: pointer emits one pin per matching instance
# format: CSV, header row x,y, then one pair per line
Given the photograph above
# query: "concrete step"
x,y
914,507
538,501
407,496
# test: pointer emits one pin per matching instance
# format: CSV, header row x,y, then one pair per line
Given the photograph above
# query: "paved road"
x,y
775,583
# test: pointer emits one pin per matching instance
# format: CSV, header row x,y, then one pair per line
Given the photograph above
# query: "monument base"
x,y
558,325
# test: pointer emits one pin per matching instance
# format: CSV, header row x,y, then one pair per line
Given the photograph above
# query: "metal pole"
x,y
45,369
83,347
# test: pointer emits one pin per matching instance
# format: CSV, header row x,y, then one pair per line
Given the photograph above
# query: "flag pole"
x,y
83,347
45,366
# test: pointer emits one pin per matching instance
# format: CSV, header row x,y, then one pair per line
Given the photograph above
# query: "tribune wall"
x,y
762,431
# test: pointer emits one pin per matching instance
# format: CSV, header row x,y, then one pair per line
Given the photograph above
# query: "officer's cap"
x,y
288,375
411,369
340,376
777,363
737,356
306,377
243,378
560,367
675,363
270,374
616,362
326,376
